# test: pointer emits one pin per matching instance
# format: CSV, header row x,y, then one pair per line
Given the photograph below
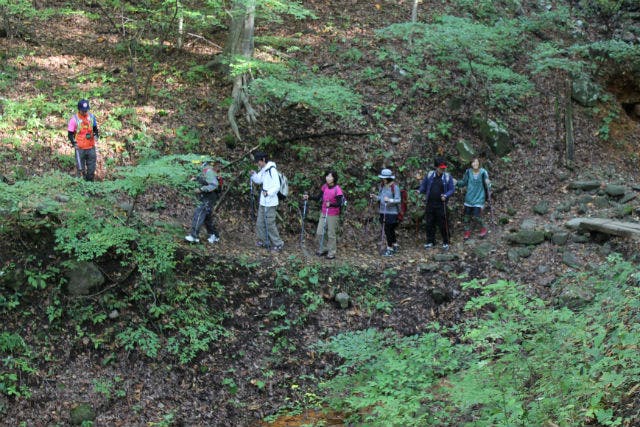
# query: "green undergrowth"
x,y
520,361
161,301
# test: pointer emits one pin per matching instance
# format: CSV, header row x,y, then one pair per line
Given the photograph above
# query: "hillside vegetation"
x,y
111,318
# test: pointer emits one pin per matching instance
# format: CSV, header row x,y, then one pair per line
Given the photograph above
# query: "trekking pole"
x,y
324,229
493,221
446,221
304,215
368,220
78,162
383,245
253,200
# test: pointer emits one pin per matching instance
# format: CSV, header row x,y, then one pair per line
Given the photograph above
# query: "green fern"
x,y
324,97
522,362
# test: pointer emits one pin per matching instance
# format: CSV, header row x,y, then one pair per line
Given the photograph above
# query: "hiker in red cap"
x,y
438,186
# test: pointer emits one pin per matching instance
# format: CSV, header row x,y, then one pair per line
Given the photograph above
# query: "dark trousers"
x,y
86,162
390,222
436,216
472,214
203,215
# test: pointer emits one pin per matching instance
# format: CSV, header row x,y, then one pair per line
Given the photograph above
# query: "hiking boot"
x,y
277,248
213,239
395,249
260,244
483,232
388,252
467,235
428,245
191,239
445,246
331,256
321,253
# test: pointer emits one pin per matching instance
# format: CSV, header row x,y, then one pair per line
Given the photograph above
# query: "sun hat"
x,y
386,174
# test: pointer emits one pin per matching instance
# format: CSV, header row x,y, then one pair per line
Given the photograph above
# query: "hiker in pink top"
x,y
332,199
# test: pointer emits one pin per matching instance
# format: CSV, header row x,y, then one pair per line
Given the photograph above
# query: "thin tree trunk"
x,y
240,43
180,40
557,115
568,127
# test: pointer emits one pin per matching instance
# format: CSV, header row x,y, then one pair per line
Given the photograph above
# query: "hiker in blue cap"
x,y
83,134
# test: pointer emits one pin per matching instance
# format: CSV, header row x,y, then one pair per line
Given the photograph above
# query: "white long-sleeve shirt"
x,y
270,181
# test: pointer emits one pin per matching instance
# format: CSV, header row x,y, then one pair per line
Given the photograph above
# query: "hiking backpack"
x,y
404,202
343,205
283,191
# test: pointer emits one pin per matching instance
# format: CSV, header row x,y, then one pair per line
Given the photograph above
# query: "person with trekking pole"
x,y
389,197
332,199
83,134
267,176
437,186
208,191
476,179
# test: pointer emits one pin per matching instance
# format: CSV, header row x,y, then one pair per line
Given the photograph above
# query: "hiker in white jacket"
x,y
267,176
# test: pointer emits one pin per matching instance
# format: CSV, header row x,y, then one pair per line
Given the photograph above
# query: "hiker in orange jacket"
x,y
83,134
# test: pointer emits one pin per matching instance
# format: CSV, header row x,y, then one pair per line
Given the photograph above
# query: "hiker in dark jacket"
x,y
476,179
207,191
438,186
389,197
331,197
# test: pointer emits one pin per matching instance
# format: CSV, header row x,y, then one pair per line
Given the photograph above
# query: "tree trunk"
x,y
240,44
568,127
180,38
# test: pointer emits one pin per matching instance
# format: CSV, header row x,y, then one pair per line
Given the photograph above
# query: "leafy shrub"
x,y
522,362
16,362
387,379
482,53
325,97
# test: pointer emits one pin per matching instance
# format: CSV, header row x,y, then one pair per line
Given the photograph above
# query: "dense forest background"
x,y
110,318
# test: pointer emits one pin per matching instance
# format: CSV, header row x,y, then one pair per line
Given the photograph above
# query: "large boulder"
x,y
585,92
574,295
616,190
465,151
541,208
83,277
584,185
526,237
497,137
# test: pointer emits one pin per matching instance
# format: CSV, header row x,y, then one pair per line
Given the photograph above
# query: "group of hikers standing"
x,y
437,187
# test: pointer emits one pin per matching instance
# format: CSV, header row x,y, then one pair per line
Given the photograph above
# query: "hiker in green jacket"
x,y
476,179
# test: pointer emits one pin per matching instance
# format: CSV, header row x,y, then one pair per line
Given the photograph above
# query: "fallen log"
x,y
607,226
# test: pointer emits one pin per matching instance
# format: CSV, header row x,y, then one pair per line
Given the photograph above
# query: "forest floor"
x,y
201,393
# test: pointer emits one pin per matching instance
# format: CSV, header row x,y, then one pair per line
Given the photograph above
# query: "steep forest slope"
x,y
547,94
